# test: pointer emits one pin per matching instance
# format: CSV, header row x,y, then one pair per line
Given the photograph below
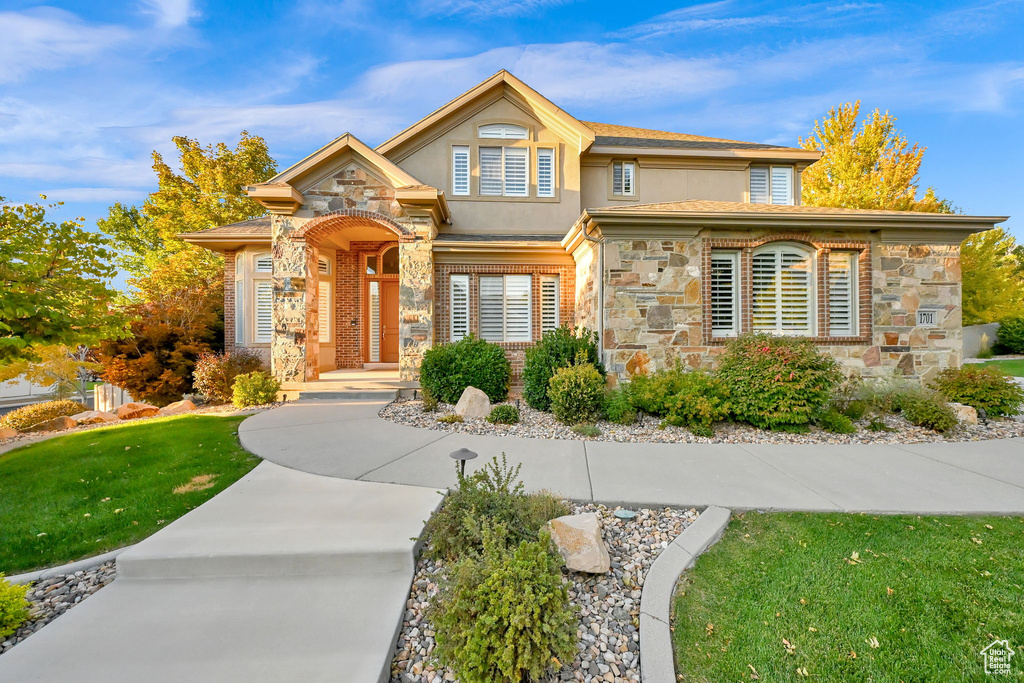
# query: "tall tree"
x,y
870,167
993,277
53,284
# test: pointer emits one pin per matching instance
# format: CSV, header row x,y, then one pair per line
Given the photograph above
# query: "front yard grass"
x,y
1011,366
83,494
841,597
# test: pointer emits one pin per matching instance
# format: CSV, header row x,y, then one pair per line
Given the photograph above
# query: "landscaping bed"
x,y
851,597
537,424
608,605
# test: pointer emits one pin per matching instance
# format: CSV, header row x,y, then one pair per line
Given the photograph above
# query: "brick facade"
x,y
230,319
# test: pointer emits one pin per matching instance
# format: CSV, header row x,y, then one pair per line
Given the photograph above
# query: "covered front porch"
x,y
376,380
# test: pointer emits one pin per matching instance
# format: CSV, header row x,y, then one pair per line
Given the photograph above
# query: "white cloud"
x,y
485,9
106,195
170,13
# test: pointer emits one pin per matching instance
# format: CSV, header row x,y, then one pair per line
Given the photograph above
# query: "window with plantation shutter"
x,y
782,184
460,170
771,185
504,171
623,178
503,131
490,171
516,179
505,307
374,321
264,264
324,309
460,306
548,303
842,294
782,284
545,172
725,293
264,332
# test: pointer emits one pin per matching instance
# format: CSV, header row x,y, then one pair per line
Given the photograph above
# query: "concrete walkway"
x,y
346,439
285,576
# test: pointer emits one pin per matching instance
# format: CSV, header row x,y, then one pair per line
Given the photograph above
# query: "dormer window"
x,y
503,131
771,185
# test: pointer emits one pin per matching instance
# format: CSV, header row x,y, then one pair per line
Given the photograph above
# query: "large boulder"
x,y
177,408
579,542
967,415
130,411
54,425
7,432
473,403
94,417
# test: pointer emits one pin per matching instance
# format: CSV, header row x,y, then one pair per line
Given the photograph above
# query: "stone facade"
x,y
294,351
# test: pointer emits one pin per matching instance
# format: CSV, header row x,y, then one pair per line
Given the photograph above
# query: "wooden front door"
x,y
389,321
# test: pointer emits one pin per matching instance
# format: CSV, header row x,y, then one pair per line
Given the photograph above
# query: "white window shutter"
x,y
264,263
516,176
239,311
759,185
782,284
548,303
459,306
325,309
545,172
517,308
842,294
374,321
460,170
490,171
492,308
616,177
724,293
782,184
264,312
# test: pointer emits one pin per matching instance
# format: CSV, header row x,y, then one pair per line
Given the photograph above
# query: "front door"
x,y
389,321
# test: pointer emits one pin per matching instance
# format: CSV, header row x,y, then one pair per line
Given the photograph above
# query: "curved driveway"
x,y
347,439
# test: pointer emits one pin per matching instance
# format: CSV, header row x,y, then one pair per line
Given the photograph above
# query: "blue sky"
x,y
88,89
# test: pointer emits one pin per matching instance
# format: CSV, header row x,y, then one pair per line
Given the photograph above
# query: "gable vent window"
x,y
545,172
505,308
503,131
842,294
771,185
782,287
264,331
725,293
460,170
623,178
503,171
548,303
460,306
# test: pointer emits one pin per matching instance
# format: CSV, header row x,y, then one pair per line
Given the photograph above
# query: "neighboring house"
x,y
501,215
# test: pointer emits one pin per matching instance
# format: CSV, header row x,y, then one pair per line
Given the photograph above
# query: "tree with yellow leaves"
x,y
993,277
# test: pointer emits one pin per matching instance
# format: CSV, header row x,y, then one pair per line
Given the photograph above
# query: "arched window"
x,y
782,285
503,131
389,262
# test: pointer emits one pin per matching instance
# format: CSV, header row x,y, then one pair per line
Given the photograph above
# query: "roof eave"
x,y
780,154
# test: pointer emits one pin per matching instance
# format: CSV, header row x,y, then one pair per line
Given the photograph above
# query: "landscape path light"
x,y
462,455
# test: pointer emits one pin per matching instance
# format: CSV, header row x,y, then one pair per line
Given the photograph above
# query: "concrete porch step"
x,y
341,394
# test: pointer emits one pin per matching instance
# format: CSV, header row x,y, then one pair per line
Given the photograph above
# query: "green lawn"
x,y
1013,366
839,597
82,494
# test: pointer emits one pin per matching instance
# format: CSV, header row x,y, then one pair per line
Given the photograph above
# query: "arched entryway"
x,y
380,293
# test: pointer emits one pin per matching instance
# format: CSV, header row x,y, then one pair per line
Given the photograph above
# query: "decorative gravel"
x,y
540,425
52,597
608,605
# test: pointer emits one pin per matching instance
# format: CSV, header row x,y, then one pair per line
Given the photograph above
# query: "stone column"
x,y
416,304
294,351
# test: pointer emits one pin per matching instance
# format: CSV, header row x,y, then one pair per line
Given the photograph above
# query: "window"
x,y
503,171
545,172
623,178
725,293
783,290
389,262
548,303
459,306
264,264
324,311
505,308
771,185
503,131
324,266
264,332
460,170
842,294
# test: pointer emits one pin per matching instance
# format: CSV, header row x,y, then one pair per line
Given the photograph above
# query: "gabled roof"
x,y
628,136
228,237
546,110
336,148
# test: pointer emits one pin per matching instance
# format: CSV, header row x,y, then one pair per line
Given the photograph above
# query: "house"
x,y
502,215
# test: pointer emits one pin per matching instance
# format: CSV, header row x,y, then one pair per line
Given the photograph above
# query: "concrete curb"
x,y
657,662
71,568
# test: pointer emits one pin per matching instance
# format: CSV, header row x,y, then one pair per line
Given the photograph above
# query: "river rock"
x,y
579,542
966,414
473,403
94,417
130,411
178,408
54,425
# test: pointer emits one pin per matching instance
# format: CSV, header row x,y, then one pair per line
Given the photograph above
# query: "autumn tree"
x,y
993,277
65,371
867,167
53,283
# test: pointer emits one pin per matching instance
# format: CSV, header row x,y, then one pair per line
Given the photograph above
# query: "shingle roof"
x,y
254,226
706,206
492,237
628,136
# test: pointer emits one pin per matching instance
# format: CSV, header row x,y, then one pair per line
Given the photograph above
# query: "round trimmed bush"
x,y
254,389
447,369
558,348
1011,334
577,394
985,388
26,416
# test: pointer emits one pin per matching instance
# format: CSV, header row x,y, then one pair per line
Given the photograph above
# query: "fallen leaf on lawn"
x,y
118,510
105,500
853,655
910,527
889,591
754,676
200,482
811,628
803,601
41,534
854,558
87,515
710,628
976,540
802,671
790,647
988,526
873,642
127,448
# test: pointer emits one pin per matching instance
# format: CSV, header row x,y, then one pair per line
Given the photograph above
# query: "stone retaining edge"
x,y
657,662
70,568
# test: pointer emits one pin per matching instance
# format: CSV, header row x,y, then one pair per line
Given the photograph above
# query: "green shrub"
x,y
577,393
587,429
928,410
254,389
1011,334
447,370
451,418
846,400
558,348
617,407
881,395
13,606
26,416
856,410
504,616
429,401
985,388
698,403
540,508
215,373
833,421
504,414
877,424
775,381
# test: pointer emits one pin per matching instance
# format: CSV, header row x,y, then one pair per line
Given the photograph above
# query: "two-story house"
x,y
504,216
